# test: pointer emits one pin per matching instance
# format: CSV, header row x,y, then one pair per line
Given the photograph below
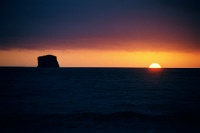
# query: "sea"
x,y
99,100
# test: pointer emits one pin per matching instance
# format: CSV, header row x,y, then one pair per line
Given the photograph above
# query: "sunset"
x,y
100,66
130,33
100,58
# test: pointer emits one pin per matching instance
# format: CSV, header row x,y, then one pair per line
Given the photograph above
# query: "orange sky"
x,y
102,58
102,33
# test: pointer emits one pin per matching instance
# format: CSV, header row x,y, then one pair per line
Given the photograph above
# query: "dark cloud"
x,y
186,5
38,24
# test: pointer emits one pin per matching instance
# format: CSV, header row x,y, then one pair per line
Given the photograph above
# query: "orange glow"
x,y
102,58
154,65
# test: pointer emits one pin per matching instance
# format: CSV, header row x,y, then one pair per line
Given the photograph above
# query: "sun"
x,y
154,65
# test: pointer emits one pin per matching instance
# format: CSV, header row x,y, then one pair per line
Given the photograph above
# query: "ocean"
x,y
99,100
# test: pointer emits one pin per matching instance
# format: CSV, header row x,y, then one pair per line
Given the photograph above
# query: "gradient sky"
x,y
121,33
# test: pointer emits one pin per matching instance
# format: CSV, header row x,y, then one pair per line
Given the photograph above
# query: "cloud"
x,y
100,24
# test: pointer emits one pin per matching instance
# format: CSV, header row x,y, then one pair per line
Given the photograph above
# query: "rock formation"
x,y
48,61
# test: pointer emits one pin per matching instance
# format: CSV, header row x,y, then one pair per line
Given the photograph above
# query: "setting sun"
x,y
154,65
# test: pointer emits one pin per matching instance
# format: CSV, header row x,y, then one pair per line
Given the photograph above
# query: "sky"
x,y
101,33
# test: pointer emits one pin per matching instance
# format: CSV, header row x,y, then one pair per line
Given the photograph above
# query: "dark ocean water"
x,y
99,100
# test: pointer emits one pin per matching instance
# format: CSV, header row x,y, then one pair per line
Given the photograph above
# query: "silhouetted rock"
x,y
48,61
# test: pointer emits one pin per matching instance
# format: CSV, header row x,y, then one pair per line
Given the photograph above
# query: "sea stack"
x,y
47,61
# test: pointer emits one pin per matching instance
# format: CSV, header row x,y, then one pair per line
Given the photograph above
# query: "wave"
x,y
115,116
111,122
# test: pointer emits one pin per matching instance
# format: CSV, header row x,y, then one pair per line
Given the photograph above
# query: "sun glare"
x,y
154,65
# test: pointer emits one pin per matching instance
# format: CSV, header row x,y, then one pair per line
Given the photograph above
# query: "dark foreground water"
x,y
99,100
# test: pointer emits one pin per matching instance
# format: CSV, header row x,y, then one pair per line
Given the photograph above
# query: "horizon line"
x,y
102,67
